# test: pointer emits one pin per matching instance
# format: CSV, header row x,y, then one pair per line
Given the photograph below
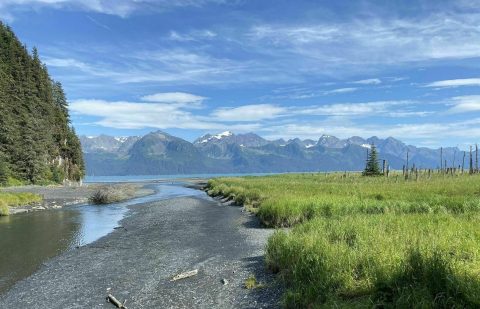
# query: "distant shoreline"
x,y
55,197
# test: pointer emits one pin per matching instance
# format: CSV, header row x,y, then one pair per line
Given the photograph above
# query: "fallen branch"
x,y
185,275
116,302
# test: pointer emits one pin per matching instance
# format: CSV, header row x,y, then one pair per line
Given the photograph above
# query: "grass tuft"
x,y
251,283
112,194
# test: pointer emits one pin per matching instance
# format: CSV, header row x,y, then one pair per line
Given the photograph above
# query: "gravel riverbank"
x,y
155,242
59,196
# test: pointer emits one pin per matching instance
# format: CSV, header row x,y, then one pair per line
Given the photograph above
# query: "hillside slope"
x,y
37,143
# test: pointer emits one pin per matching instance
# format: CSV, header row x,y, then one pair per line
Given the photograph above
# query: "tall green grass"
x,y
16,199
289,199
365,242
404,261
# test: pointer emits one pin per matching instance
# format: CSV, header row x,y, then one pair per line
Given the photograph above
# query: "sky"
x,y
281,69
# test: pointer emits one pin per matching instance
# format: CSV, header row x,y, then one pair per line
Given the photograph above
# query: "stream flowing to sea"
x,y
28,240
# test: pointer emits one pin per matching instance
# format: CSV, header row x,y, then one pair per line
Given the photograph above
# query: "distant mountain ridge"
x,y
161,153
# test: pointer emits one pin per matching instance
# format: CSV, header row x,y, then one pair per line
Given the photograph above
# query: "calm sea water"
x,y
149,178
28,240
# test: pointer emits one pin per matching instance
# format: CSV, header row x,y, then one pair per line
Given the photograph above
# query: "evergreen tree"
x,y
372,167
3,171
35,132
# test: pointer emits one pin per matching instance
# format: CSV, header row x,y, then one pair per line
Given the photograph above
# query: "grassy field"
x,y
8,199
360,242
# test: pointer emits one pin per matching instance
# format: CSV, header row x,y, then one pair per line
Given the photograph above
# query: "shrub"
x,y
112,194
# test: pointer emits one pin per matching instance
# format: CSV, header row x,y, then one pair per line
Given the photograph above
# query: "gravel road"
x,y
155,242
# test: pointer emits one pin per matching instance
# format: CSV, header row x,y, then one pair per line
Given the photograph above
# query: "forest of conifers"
x,y
37,143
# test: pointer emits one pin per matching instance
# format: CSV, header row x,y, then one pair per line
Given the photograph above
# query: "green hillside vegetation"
x,y
37,143
365,241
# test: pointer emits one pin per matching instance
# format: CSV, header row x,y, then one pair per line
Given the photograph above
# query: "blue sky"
x,y
407,69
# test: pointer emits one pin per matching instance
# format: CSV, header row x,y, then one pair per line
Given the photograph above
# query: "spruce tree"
x,y
3,171
372,167
35,132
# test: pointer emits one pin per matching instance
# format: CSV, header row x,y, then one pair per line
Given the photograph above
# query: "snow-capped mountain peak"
x,y
223,134
206,138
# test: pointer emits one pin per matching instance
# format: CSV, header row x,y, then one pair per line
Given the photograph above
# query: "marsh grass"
x,y
369,242
16,199
293,198
8,199
3,208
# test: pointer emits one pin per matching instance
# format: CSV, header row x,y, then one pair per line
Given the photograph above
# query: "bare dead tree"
x,y
454,154
406,169
476,158
470,171
441,159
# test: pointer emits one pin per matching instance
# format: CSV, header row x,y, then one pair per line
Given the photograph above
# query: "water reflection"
x,y
27,240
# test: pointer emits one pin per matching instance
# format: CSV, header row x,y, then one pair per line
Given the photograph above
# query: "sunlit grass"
x,y
16,199
429,260
293,198
362,242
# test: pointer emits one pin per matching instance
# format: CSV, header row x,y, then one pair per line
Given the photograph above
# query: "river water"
x,y
27,240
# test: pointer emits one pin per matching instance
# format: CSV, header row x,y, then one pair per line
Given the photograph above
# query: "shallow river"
x,y
28,240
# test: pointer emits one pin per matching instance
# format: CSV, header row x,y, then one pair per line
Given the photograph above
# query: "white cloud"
x,y
365,43
66,62
371,81
192,36
252,112
96,22
455,83
340,90
463,104
166,65
174,97
340,119
135,115
355,109
122,8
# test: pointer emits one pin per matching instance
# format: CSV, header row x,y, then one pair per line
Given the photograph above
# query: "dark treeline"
x,y
37,143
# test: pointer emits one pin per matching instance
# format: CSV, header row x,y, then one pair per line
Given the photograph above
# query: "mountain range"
x,y
160,153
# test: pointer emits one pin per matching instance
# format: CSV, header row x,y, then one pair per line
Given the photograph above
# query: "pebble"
x,y
224,281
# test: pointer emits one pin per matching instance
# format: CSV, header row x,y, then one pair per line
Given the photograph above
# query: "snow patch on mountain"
x,y
223,134
217,136
121,139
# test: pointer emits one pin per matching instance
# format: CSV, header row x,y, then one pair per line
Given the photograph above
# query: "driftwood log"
x,y
116,302
184,275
